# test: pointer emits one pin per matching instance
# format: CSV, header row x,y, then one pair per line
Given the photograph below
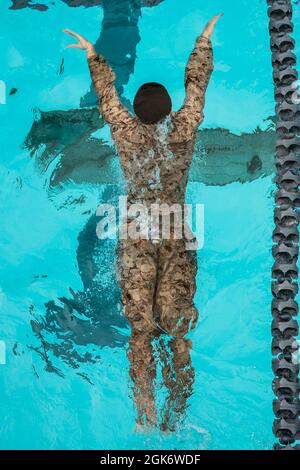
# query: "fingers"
x,y
216,18
72,33
82,44
75,46
210,26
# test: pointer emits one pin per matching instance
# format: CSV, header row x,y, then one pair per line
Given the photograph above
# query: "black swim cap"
x,y
152,103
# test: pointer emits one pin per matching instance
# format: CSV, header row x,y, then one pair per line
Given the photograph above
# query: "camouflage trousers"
x,y
158,283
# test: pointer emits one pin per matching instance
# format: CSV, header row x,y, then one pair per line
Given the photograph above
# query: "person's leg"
x,y
177,315
137,274
143,373
178,376
176,287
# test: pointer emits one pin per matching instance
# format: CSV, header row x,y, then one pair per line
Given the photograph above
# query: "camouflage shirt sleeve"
x,y
110,106
197,75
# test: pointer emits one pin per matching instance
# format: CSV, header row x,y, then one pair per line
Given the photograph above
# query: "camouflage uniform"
x,y
157,279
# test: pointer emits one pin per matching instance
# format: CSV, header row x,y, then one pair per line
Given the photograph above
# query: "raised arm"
x,y
103,78
197,75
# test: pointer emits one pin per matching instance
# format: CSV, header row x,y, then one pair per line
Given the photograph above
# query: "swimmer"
x,y
157,278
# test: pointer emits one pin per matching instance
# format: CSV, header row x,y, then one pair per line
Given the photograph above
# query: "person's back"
x,y
156,145
154,162
157,276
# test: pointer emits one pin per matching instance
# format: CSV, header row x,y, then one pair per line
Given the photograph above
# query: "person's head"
x,y
152,103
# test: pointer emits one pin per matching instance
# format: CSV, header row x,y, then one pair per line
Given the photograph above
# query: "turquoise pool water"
x,y
65,382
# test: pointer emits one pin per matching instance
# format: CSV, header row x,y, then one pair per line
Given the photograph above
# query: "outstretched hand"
x,y
209,29
83,43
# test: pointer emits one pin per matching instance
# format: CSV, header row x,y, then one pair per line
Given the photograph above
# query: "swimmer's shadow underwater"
x,y
94,316
102,310
68,135
91,317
